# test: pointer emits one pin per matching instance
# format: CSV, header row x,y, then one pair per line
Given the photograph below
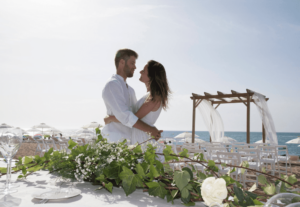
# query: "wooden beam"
x,y
198,103
263,134
248,119
220,96
217,106
208,94
194,116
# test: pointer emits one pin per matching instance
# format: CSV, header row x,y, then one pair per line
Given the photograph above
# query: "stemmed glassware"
x,y
10,142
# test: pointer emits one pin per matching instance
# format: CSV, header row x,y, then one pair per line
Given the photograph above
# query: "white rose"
x,y
213,190
131,146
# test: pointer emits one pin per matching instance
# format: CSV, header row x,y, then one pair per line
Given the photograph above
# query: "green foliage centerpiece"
x,y
128,166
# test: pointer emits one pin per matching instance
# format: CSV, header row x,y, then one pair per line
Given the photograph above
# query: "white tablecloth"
x,y
42,181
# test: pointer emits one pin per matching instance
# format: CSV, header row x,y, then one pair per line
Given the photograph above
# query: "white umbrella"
x,y
85,131
23,131
82,135
228,140
42,126
189,140
260,141
33,131
294,141
185,135
3,126
92,125
52,131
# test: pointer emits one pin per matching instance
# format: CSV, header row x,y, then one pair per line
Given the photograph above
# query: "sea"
x,y
283,137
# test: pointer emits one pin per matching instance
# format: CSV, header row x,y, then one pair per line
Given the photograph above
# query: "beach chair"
x,y
230,158
268,156
283,158
253,158
211,152
41,146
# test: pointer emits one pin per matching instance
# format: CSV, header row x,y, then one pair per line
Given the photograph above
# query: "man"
x,y
120,99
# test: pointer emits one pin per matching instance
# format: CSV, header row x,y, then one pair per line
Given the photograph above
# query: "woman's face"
x,y
144,75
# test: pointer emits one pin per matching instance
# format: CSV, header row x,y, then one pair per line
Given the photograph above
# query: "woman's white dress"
x,y
150,119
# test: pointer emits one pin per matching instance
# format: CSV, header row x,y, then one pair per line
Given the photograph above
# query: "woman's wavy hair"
x,y
159,87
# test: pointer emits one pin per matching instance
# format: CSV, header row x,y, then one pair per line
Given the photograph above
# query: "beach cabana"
x,y
205,103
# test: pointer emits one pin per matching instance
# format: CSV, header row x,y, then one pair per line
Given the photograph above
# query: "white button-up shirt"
x,y
120,101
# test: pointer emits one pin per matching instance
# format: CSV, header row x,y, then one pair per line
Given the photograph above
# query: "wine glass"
x,y
10,142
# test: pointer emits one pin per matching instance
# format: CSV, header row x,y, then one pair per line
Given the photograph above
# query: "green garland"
x,y
117,164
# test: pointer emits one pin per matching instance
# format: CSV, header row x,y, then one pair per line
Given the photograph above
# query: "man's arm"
x,y
114,97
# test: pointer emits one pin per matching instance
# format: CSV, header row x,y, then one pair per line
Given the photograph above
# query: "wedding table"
x,y
42,181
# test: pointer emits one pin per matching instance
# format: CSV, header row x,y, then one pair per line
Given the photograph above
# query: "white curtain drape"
x,y
212,120
262,106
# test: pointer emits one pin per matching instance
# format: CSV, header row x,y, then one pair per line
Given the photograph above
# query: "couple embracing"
x,y
129,118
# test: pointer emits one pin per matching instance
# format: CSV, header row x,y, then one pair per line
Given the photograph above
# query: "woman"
x,y
148,108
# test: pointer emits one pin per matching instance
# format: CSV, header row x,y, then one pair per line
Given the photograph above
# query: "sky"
x,y
56,56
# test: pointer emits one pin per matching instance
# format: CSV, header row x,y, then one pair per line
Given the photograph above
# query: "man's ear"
x,y
122,62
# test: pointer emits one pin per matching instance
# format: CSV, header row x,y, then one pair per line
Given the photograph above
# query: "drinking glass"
x,y
10,142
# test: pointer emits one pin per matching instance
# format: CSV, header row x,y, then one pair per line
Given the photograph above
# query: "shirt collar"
x,y
120,78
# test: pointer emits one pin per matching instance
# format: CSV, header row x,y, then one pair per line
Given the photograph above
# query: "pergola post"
x,y
248,119
194,119
263,134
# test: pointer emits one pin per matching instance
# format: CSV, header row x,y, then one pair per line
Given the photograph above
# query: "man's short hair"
x,y
125,55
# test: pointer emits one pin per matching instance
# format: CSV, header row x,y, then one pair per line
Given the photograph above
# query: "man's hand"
x,y
156,133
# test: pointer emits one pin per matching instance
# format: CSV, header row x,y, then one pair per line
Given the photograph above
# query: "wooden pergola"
x,y
221,98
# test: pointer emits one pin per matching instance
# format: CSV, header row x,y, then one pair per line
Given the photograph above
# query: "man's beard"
x,y
127,71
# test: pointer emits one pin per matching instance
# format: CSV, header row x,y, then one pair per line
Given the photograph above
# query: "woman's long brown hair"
x,y
159,87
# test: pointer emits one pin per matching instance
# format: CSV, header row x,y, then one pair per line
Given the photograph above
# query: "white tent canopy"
x,y
42,126
3,126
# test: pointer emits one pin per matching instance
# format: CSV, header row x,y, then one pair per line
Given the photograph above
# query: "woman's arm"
x,y
145,109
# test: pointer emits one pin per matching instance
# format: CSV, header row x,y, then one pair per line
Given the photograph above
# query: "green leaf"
x,y
190,204
169,198
24,171
263,169
112,170
181,179
253,188
257,202
157,190
174,193
223,164
153,173
167,153
291,179
244,164
129,180
20,176
145,167
109,187
239,193
269,189
184,153
35,168
50,150
251,195
27,160
201,176
138,149
97,131
249,201
140,171
3,169
72,144
262,179
159,167
189,171
101,178
185,195
280,187
211,163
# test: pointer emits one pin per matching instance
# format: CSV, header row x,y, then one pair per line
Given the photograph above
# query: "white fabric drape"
x,y
212,120
262,106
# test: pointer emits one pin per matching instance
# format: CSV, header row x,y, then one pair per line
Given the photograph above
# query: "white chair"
x,y
41,146
253,158
211,152
230,158
268,155
283,157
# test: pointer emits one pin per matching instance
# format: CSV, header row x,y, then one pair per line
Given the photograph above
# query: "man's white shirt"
x,y
120,100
